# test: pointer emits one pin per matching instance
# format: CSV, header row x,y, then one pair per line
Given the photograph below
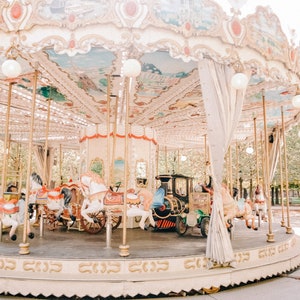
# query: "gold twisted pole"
x,y
24,246
288,227
6,140
270,235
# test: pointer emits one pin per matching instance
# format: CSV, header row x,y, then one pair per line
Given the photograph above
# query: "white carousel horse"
x,y
9,216
260,204
95,191
234,209
56,199
237,209
36,185
140,204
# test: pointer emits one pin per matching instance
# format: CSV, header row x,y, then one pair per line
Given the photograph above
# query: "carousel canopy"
x,y
79,48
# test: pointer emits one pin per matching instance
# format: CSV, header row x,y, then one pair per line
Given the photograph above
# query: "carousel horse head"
x,y
92,183
35,181
11,188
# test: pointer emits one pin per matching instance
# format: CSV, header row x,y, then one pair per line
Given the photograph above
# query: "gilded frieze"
x,y
42,266
194,263
8,264
241,257
100,267
148,266
266,252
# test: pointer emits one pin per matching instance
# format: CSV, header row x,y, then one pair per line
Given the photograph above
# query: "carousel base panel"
x,y
75,263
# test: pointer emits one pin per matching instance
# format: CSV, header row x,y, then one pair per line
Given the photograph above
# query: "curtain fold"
x,y
274,153
38,151
223,107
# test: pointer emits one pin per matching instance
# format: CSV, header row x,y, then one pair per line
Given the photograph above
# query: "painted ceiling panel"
x,y
80,46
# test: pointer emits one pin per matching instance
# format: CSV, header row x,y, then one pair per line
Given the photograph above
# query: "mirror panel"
x,y
141,173
97,166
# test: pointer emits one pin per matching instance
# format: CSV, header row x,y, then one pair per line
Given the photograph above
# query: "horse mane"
x,y
93,182
37,178
94,177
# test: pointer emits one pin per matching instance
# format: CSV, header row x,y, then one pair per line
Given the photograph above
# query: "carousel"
x,y
122,82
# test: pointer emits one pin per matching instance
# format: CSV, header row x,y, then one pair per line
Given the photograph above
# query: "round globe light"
x,y
239,81
11,68
249,150
296,101
132,68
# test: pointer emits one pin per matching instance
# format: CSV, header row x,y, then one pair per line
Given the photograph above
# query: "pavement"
x,y
282,286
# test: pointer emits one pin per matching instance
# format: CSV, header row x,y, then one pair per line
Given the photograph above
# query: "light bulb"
x,y
11,68
239,81
249,150
296,101
132,68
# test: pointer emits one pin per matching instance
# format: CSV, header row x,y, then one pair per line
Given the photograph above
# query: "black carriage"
x,y
181,207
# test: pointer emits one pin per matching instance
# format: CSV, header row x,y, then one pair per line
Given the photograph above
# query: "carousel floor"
x,y
159,262
74,244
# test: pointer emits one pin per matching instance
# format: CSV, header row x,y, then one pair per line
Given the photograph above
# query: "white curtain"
x,y
223,106
39,155
274,152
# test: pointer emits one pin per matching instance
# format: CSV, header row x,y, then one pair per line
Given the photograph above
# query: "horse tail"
x,y
67,193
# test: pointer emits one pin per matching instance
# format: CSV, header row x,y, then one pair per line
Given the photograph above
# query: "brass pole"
x,y
46,144
237,164
20,171
6,138
109,171
166,160
205,158
156,160
270,235
256,152
230,170
178,164
262,159
60,164
124,248
281,186
288,227
108,129
24,246
112,175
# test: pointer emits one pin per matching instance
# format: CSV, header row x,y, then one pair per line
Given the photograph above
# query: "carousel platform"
x,y
76,263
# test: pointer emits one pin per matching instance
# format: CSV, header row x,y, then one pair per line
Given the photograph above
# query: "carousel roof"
x,y
79,47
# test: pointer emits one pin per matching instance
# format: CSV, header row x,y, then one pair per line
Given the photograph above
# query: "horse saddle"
x,y
113,198
8,207
41,196
55,196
